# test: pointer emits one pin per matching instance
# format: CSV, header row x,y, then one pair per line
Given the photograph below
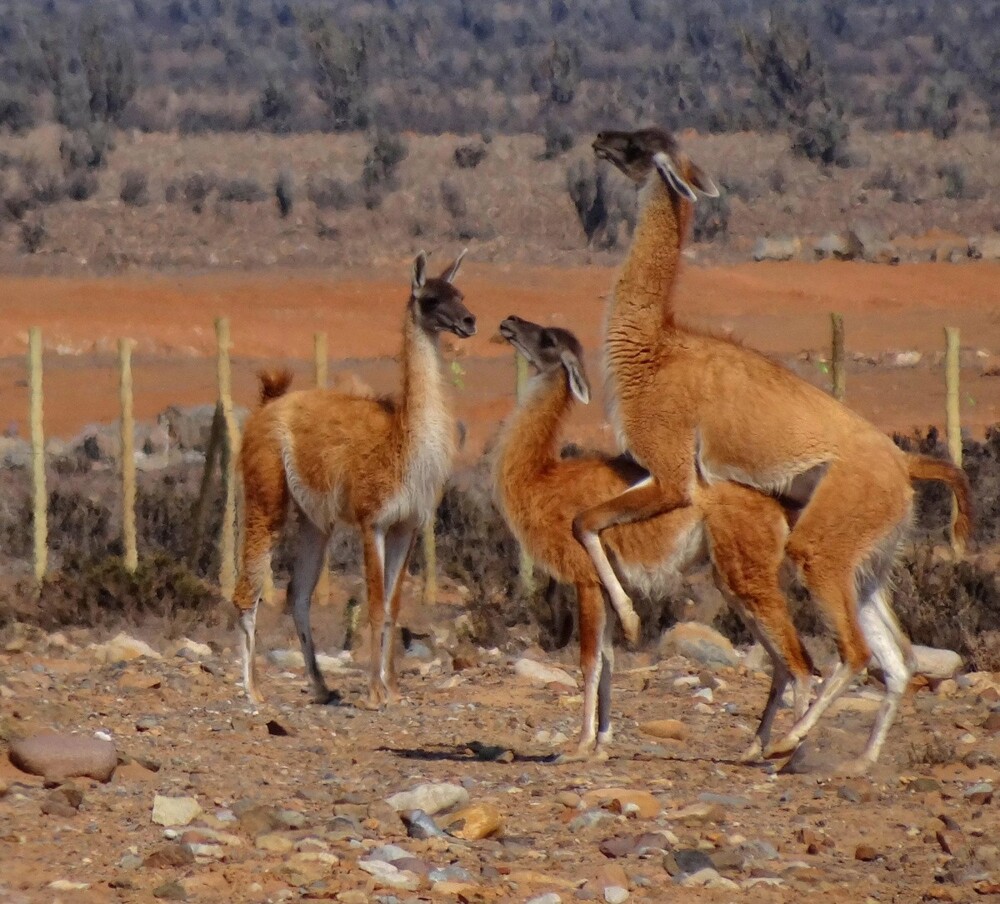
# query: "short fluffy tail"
x,y
273,384
923,467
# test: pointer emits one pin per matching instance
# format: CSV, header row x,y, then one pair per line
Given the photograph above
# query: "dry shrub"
x,y
100,592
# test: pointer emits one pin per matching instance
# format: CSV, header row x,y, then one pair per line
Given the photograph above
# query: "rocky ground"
x,y
213,800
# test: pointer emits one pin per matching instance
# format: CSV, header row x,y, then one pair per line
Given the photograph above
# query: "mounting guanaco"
x,y
741,531
377,464
685,403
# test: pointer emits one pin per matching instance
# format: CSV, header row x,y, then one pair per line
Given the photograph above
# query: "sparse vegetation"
x,y
469,156
284,193
134,188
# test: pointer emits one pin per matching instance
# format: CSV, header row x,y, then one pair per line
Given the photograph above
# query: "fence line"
x,y
130,544
224,443
40,496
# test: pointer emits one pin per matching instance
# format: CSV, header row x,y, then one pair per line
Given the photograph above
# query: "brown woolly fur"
x,y
742,532
273,384
377,464
686,403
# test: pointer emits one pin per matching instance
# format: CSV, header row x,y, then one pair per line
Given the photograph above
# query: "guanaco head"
x,y
436,303
547,349
638,154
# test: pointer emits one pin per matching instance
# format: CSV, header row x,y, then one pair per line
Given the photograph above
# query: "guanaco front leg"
x,y
399,539
645,500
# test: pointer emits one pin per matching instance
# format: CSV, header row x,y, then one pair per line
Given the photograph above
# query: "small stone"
x,y
670,729
686,861
476,822
59,756
274,842
617,847
257,819
388,875
925,785
569,799
866,853
617,799
68,885
615,894
170,891
707,878
979,794
419,824
63,802
548,898
169,855
175,811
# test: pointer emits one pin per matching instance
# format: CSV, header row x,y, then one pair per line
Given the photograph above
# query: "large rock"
x,y
776,249
60,756
473,823
985,247
175,811
539,673
699,643
123,648
843,246
430,797
936,664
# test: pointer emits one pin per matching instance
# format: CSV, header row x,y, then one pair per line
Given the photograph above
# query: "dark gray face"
x,y
638,154
632,152
439,305
548,349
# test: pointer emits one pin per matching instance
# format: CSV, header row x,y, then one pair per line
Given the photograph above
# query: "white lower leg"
x,y
833,688
619,599
882,639
248,643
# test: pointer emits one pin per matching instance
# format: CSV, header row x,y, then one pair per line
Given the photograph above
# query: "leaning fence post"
x,y
321,363
40,497
129,542
953,418
230,450
525,565
838,373
200,504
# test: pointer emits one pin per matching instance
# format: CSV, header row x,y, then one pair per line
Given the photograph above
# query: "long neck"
x,y
423,411
644,292
528,444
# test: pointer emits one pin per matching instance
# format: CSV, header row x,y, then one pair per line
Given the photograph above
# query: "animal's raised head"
x,y
437,304
641,153
547,349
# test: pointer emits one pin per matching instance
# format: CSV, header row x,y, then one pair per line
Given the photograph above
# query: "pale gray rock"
x,y
430,797
539,673
698,643
936,664
175,811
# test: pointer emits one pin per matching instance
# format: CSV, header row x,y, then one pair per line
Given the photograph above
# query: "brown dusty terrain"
x,y
923,827
781,309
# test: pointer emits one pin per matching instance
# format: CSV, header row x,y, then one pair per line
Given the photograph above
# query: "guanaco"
x,y
378,464
685,403
741,531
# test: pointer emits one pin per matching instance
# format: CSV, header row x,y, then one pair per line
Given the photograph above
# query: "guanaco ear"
x,y
578,384
450,274
702,181
669,173
419,272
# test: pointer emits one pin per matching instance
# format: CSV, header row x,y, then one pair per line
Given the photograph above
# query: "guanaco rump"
x,y
741,531
685,403
377,464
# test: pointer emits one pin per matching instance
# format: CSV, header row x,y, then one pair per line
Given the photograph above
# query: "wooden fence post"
x,y
525,565
200,504
40,496
953,418
838,373
129,541
230,451
321,363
